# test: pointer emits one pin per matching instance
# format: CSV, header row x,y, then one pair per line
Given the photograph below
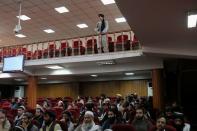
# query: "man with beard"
x,y
179,122
112,119
49,122
38,117
26,122
161,125
88,123
20,113
140,123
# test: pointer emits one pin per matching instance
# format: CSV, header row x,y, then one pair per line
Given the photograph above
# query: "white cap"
x,y
90,113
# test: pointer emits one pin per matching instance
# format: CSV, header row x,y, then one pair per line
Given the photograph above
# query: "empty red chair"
x,y
135,43
91,46
78,48
122,42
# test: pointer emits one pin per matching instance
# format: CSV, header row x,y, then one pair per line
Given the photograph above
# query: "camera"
x,y
17,29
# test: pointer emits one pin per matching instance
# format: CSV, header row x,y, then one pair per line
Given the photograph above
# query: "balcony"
x,y
88,45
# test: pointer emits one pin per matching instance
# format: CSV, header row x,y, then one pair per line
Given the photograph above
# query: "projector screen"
x,y
13,64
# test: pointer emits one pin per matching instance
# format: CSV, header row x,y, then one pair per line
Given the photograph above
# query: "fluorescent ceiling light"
x,y
49,31
129,73
82,25
43,78
54,67
62,9
192,21
20,35
120,20
24,17
107,2
5,75
61,72
18,79
94,75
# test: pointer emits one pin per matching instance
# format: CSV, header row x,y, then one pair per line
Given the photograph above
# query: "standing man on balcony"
x,y
102,28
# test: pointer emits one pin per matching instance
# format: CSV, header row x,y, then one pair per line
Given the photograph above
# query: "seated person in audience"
x,y
46,105
66,121
161,125
4,123
14,103
20,113
140,123
111,120
103,112
26,122
169,115
60,104
179,122
101,100
49,123
88,123
38,117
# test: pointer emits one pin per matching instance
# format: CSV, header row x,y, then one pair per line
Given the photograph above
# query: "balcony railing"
x,y
116,41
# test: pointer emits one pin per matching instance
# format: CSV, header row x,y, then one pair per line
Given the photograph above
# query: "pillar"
x,y
158,89
31,92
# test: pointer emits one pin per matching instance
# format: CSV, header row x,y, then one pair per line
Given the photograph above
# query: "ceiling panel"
x,y
44,16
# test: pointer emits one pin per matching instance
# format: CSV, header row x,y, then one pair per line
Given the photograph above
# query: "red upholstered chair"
x,y
14,52
110,44
135,43
91,46
65,49
123,127
78,48
122,41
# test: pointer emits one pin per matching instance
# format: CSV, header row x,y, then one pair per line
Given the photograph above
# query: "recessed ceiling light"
x,y
62,9
94,75
61,72
20,35
82,25
24,17
18,79
120,20
54,67
49,31
192,21
129,73
43,78
107,2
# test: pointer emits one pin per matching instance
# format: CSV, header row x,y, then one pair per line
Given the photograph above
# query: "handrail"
x,y
114,41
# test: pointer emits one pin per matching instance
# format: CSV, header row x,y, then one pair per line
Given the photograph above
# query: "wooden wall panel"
x,y
111,88
58,90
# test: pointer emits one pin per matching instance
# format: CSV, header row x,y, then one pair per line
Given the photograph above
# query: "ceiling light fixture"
x,y
107,2
23,17
62,9
110,62
192,20
20,35
94,75
120,20
49,31
43,78
129,73
55,67
82,25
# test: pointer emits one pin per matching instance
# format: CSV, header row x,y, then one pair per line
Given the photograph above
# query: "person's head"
x,y
179,119
38,112
27,118
139,113
101,16
60,103
66,115
88,117
49,117
20,110
161,122
2,116
103,96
